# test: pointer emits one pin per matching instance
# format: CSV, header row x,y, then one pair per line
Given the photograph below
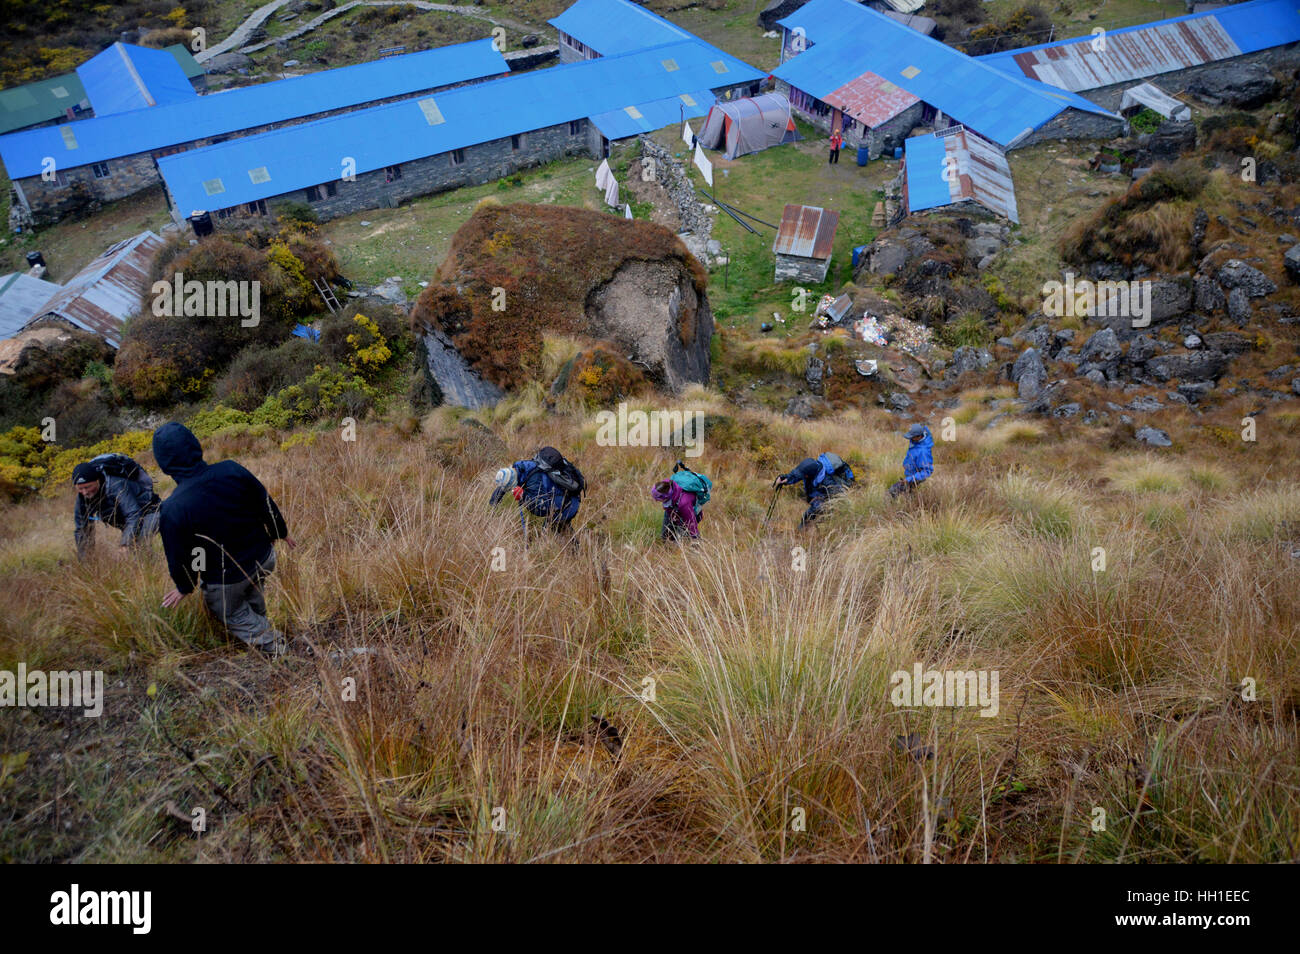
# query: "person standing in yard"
x,y
836,142
219,528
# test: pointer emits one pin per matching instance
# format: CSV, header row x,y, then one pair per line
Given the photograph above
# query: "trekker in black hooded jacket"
x,y
218,528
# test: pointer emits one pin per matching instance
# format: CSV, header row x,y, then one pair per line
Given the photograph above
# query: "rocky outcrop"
x,y
1243,85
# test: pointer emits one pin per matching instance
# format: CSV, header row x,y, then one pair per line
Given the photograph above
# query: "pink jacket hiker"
x,y
679,505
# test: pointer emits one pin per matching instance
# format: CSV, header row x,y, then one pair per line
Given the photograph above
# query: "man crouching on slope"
x,y
218,528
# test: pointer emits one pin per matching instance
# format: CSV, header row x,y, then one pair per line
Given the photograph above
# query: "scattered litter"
x,y
866,367
869,330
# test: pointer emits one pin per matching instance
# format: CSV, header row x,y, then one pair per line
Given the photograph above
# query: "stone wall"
x,y
483,163
1074,124
796,268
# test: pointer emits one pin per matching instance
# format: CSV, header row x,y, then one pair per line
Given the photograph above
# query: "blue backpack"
x,y
833,466
694,483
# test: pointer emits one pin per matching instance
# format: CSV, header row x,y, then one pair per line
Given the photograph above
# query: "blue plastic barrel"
x,y
864,155
857,254
898,152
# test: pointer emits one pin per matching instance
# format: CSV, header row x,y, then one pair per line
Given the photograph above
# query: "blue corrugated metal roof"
x,y
656,114
926,186
217,114
617,26
308,154
848,40
1253,26
126,77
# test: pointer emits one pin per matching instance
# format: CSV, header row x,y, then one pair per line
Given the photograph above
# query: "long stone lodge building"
x,y
57,169
383,155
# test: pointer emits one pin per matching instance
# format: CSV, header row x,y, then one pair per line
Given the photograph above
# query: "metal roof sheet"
x,y
656,114
232,110
849,40
108,290
870,99
22,106
126,77
617,26
957,166
1149,49
20,295
806,231
308,154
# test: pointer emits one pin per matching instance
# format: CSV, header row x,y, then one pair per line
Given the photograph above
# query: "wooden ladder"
x,y
327,293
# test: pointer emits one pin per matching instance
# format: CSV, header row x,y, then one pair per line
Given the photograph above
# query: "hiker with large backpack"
x,y
823,478
918,462
219,528
683,499
115,490
549,486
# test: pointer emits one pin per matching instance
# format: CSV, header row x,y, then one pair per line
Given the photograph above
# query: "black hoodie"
x,y
219,508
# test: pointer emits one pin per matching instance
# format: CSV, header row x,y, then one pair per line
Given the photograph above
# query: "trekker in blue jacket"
x,y
822,479
548,486
918,464
219,528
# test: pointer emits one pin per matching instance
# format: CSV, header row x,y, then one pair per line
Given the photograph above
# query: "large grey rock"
x,y
1229,342
1035,336
1142,348
1029,374
448,377
1170,298
1170,141
1239,306
228,63
1154,437
815,374
1244,85
899,401
1193,392
1101,348
886,259
1188,366
1144,403
967,358
1237,274
1292,262
1208,295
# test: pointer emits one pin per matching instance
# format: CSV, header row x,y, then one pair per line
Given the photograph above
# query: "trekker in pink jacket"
x,y
679,510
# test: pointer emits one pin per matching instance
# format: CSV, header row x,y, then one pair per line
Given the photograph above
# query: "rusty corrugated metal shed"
x,y
101,296
956,165
806,231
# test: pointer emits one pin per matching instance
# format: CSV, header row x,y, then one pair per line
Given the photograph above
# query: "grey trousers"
x,y
241,606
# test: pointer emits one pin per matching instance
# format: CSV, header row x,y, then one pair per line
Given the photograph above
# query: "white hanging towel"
x,y
702,163
627,211
688,135
611,191
604,175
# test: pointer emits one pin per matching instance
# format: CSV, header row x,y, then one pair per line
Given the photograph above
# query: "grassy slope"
x,y
1099,672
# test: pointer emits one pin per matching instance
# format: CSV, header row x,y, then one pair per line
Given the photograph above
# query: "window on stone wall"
x,y
575,127
60,180
516,142
100,169
392,173
331,189
313,194
457,156
225,213
256,208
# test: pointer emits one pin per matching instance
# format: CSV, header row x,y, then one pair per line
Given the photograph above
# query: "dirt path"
x,y
262,14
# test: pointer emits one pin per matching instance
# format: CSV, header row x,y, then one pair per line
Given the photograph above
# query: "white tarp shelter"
x,y
1153,97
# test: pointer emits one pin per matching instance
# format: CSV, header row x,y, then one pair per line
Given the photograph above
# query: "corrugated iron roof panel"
x,y
20,295
806,231
101,296
871,99
617,26
126,77
958,167
1149,49
656,114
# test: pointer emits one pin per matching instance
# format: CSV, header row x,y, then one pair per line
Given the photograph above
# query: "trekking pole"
x,y
776,492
